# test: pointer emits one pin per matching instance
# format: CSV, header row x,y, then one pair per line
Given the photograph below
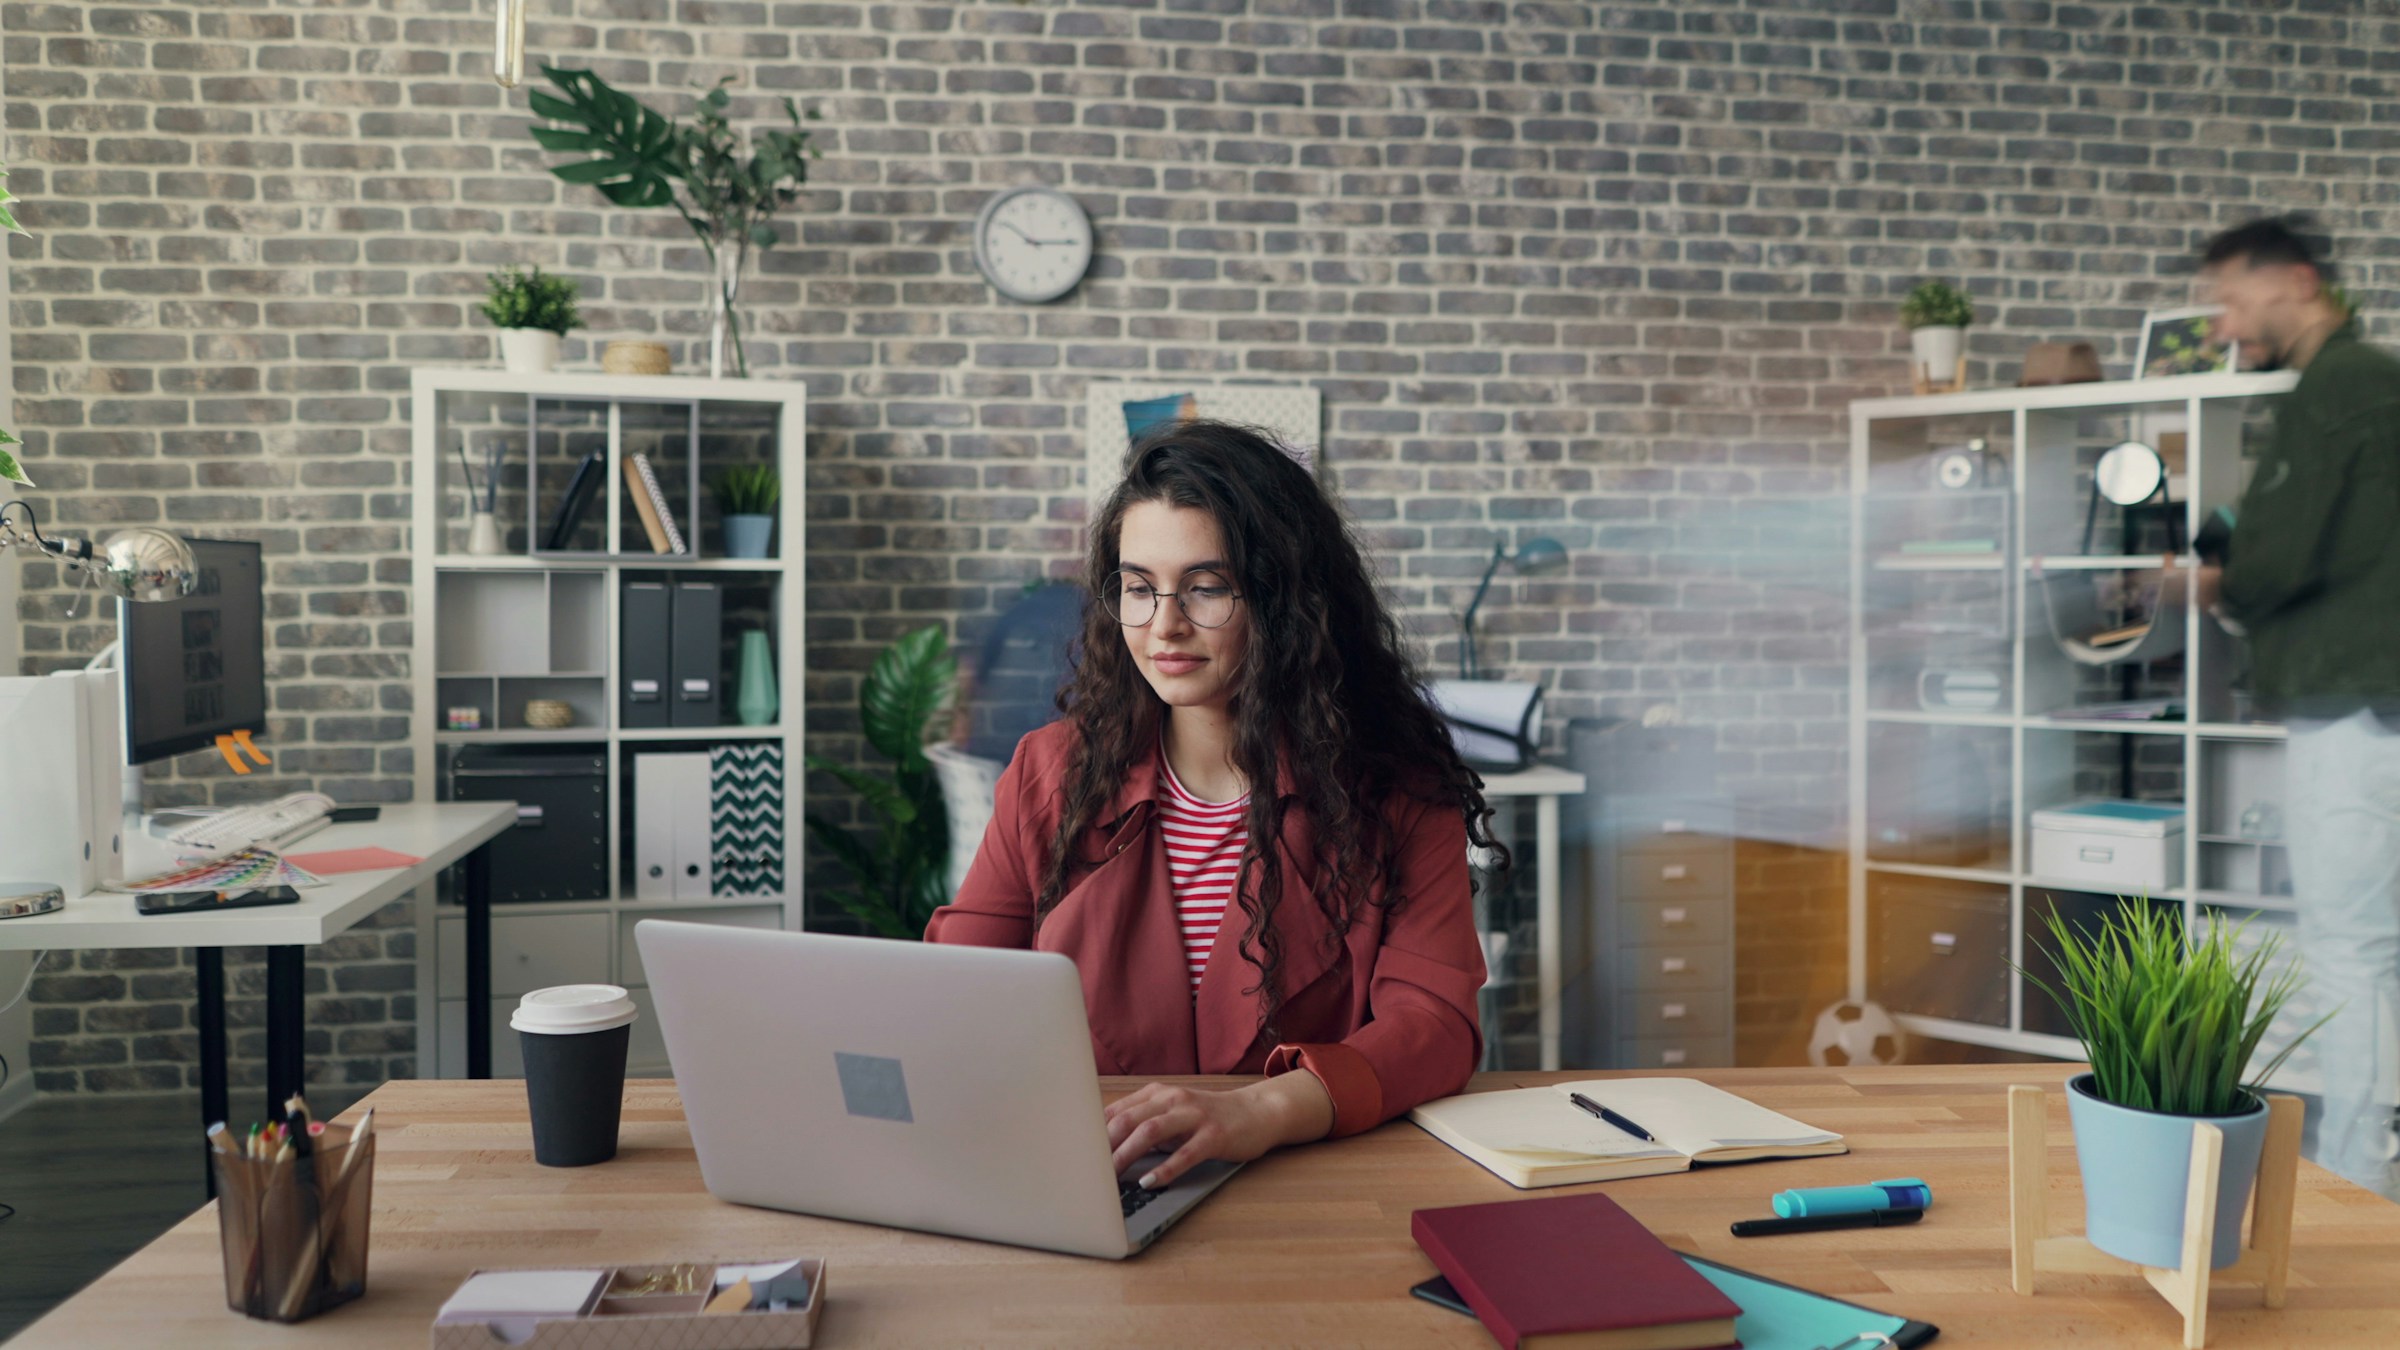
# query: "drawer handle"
x,y
528,815
1671,1011
1671,965
1670,1057
2096,853
1673,915
1673,872
1945,943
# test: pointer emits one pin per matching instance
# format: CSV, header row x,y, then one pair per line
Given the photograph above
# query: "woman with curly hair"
x,y
1249,831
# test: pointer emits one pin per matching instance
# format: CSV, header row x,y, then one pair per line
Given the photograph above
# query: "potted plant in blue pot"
x,y
2169,1026
746,496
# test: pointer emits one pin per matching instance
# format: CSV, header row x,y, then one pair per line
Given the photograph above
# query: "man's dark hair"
x,y
2272,241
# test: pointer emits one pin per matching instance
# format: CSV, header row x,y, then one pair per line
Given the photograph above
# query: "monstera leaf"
x,y
636,153
898,871
908,684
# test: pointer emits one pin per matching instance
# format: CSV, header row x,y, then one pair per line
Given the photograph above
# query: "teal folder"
x,y
1777,1316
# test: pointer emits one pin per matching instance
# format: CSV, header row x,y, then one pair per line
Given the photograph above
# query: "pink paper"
x,y
335,861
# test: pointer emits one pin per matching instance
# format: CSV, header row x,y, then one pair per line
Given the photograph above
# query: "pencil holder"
x,y
295,1232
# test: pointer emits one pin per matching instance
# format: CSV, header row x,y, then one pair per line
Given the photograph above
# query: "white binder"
x,y
670,827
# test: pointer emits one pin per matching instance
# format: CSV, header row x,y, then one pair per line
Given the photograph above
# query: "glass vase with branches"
x,y
728,190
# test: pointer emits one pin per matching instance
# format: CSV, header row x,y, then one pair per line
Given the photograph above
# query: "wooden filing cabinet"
x,y
1666,929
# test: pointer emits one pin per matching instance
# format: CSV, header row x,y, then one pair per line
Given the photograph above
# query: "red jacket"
x,y
1385,1024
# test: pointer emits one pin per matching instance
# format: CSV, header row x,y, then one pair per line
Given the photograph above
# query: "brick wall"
x,y
1609,272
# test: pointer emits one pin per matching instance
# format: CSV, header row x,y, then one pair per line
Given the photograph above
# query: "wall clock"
x,y
1033,243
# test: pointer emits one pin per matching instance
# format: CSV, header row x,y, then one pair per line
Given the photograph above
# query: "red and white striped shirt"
x,y
1204,853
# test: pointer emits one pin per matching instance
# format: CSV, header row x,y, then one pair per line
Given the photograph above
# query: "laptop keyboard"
x,y
1132,1195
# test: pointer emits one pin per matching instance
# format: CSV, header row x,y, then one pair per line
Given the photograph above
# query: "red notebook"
x,y
1573,1271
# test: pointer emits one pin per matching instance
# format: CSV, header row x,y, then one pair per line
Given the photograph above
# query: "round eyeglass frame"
x,y
1111,602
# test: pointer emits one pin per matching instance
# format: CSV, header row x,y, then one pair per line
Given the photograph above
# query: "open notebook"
x,y
1533,1137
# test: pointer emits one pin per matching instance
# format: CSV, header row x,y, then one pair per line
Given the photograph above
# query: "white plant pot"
x,y
528,351
1934,351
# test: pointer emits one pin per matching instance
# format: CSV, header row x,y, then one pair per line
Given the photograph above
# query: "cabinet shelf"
x,y
496,632
2113,562
1944,719
545,562
1945,784
1940,562
1984,874
698,733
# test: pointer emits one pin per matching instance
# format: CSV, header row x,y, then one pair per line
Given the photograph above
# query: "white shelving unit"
x,y
1943,904
493,631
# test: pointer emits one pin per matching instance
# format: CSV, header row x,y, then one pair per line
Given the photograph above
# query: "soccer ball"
x,y
1854,1033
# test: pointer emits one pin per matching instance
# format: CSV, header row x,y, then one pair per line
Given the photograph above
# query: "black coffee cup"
x,y
574,1038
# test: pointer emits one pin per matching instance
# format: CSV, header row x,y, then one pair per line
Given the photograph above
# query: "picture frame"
x,y
2176,342
1293,414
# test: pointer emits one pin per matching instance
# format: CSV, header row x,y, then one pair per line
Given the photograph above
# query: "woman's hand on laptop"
x,y
1195,1125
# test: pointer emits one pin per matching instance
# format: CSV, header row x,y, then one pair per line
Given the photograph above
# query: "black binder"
x,y
692,678
572,505
644,670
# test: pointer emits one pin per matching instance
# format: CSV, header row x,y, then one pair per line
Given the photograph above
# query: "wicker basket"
x,y
548,714
627,357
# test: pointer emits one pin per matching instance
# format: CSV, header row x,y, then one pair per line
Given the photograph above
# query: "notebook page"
x,y
1691,1117
1529,1120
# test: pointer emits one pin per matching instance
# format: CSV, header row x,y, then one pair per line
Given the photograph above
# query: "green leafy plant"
x,y
898,869
2169,1026
635,155
10,470
535,299
747,489
1936,304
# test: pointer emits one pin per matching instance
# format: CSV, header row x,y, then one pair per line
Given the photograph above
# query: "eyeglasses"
x,y
1206,597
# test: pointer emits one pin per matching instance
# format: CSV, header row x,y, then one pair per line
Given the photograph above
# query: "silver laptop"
x,y
942,1088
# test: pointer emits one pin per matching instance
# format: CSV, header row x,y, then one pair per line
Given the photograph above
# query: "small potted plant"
x,y
1936,315
2169,1028
532,310
746,495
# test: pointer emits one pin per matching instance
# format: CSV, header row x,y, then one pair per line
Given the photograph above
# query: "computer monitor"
x,y
196,668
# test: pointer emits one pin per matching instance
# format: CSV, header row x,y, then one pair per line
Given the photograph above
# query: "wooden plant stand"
x,y
1957,384
2266,1258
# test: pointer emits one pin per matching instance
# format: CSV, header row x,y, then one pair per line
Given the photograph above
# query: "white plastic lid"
x,y
567,1009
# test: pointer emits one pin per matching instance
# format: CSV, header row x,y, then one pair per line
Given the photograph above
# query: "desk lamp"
x,y
141,564
1537,557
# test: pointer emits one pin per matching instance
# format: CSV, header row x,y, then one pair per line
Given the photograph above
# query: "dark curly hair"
x,y
1326,680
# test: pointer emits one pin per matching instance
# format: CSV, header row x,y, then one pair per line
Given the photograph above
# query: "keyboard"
x,y
268,825
1132,1195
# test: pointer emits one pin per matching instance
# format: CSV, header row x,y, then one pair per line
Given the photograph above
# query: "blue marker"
x,y
1904,1193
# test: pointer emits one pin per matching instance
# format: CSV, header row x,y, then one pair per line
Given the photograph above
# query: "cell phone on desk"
x,y
204,902
1441,1292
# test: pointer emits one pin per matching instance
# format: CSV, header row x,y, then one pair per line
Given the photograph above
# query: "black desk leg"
x,y
477,894
286,1024
208,1015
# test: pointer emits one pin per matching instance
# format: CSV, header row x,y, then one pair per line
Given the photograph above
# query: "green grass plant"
x,y
521,299
2167,1025
1936,304
747,489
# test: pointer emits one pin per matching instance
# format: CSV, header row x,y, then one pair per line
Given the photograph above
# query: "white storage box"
x,y
2135,848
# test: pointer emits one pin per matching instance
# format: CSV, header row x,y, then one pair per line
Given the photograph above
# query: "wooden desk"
x,y
1308,1247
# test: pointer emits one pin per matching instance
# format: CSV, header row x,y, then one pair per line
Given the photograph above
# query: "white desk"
x,y
440,834
1545,783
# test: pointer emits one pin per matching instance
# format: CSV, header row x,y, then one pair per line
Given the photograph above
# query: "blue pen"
x,y
1612,1117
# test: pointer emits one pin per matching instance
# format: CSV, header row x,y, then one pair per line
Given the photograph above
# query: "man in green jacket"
x,y
2312,577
